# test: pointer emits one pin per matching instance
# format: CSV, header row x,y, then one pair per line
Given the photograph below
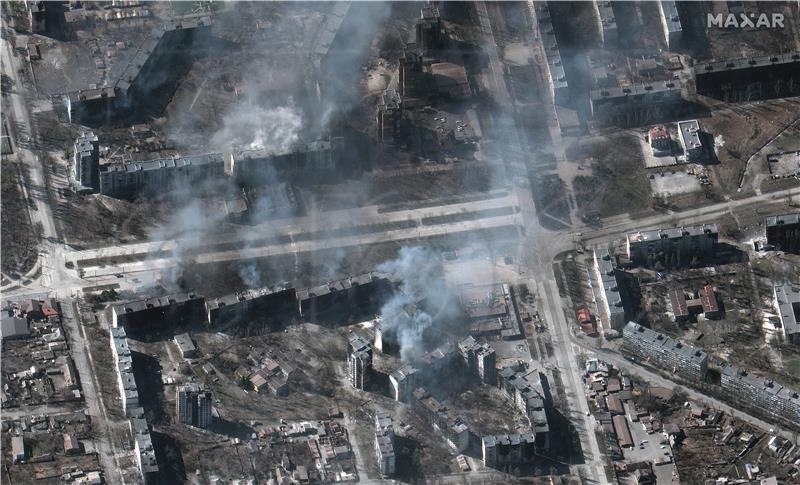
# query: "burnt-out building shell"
x,y
274,307
345,300
159,313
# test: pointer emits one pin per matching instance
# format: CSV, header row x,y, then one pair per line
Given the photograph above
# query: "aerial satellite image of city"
x,y
383,242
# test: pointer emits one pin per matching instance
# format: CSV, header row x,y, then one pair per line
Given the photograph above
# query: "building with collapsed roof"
x,y
530,393
490,311
153,66
263,304
749,79
343,300
508,449
665,352
787,304
159,312
390,118
431,36
635,105
385,444
783,232
442,419
768,397
676,247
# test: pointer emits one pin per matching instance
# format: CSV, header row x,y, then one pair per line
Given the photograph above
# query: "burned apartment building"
x,y
664,352
609,296
530,393
131,407
508,449
490,311
156,65
443,420
783,232
636,104
787,304
556,76
86,161
701,302
385,444
431,36
480,359
359,361
346,300
193,405
274,306
159,313
438,365
670,22
390,118
766,396
750,79
249,168
607,24
673,248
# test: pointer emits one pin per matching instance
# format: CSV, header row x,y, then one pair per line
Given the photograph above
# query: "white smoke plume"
x,y
256,127
419,270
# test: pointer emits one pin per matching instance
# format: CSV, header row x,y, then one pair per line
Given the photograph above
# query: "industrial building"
x,y
270,305
557,77
384,444
673,248
691,143
193,405
86,161
159,313
245,167
490,311
609,297
608,24
787,304
153,67
480,359
508,449
703,301
664,352
750,79
442,419
783,232
670,22
764,395
635,105
359,361
336,302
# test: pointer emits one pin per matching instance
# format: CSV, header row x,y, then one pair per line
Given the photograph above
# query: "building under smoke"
x,y
556,76
749,79
359,361
271,306
159,313
244,168
607,24
156,64
783,232
346,300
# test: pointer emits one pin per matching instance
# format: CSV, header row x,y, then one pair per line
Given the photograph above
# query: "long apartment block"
x,y
665,352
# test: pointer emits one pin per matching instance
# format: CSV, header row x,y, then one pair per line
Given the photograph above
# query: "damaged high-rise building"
x,y
273,306
359,361
341,301
480,359
86,161
508,449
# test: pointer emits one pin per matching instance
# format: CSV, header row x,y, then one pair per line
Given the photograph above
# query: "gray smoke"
x,y
248,126
419,270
